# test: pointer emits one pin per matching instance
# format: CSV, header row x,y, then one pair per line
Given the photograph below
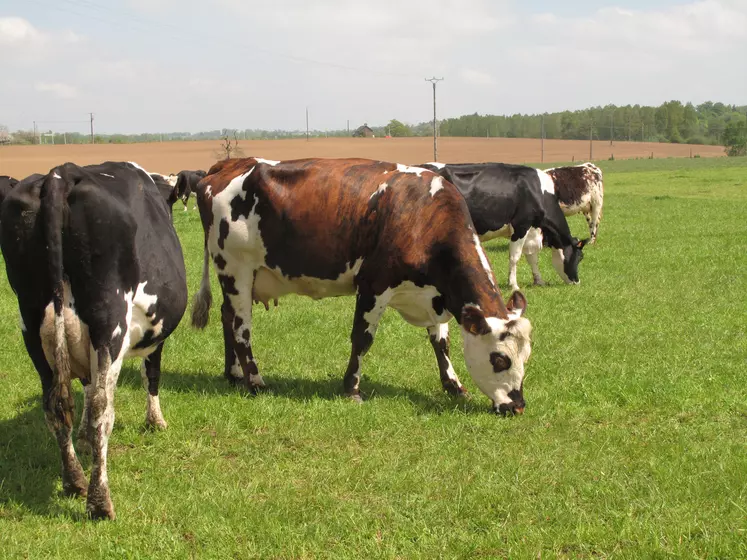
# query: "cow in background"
x,y
519,202
580,189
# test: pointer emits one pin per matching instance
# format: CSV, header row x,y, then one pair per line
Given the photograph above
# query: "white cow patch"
x,y
407,169
20,321
272,284
483,259
381,189
56,176
505,231
135,165
117,331
436,164
271,162
75,333
141,321
546,183
107,175
415,304
209,191
436,184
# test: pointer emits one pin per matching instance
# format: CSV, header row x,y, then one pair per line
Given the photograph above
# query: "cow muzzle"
x,y
514,408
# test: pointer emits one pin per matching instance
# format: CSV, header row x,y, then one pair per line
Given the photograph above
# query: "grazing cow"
x,y
186,184
580,189
517,201
389,234
98,271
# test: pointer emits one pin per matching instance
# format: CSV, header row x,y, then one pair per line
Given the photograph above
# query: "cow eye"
x,y
504,336
500,361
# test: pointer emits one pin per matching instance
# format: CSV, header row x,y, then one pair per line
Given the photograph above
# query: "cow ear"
x,y
581,244
473,320
517,304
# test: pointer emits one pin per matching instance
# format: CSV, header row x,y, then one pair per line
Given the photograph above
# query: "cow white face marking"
x,y
436,184
407,169
436,164
546,183
271,162
495,352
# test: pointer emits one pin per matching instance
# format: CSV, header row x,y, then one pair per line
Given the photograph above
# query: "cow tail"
x,y
53,203
203,299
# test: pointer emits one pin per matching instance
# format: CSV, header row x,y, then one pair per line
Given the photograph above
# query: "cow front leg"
x,y
237,318
59,410
368,311
593,219
104,376
439,337
150,372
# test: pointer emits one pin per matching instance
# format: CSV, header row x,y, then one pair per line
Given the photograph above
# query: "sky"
x,y
191,65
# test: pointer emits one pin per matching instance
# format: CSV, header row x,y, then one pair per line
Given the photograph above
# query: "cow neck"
x,y
470,284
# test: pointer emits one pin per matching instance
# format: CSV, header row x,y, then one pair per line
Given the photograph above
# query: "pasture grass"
x,y
633,444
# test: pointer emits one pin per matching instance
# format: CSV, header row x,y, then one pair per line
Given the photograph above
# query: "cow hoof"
x,y
456,390
156,424
75,484
100,506
356,397
539,282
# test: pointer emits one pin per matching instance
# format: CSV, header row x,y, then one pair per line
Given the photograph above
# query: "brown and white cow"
x,y
389,234
580,189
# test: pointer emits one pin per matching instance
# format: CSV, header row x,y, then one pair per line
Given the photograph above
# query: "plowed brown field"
x,y
170,157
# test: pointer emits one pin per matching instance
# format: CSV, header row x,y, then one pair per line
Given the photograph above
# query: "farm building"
x,y
364,131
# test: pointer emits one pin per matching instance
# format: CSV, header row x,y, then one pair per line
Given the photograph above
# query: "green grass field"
x,y
633,443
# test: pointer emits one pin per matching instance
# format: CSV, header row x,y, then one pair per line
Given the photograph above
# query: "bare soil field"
x,y
170,157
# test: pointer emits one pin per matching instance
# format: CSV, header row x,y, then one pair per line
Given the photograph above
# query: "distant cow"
x,y
98,271
580,189
186,184
389,234
517,201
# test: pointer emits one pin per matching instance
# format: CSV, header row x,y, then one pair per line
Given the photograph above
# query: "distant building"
x,y
364,131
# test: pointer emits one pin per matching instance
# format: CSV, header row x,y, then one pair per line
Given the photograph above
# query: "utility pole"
x,y
542,137
434,81
93,141
35,132
591,140
348,127
307,124
612,126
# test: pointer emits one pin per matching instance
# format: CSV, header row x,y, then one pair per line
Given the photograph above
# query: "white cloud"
x,y
477,77
16,31
63,91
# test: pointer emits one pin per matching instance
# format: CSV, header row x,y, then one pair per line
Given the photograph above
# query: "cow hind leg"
x,y
593,220
515,249
83,444
439,337
59,411
368,311
151,375
232,369
104,376
237,318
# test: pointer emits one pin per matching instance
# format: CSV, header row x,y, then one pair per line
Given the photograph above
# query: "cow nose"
x,y
512,408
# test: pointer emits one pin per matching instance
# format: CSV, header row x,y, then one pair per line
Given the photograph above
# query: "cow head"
x,y
496,350
567,259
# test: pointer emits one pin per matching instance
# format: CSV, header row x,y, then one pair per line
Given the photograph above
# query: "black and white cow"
x,y
186,184
580,189
519,202
97,268
389,234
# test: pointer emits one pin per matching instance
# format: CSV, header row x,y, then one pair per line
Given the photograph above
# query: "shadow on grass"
x,y
304,389
30,464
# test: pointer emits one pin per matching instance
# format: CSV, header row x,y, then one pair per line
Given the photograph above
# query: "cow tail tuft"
x,y
203,299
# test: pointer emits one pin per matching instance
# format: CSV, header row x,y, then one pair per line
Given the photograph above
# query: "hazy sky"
x,y
186,65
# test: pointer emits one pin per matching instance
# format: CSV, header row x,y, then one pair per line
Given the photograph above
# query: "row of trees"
x,y
707,123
